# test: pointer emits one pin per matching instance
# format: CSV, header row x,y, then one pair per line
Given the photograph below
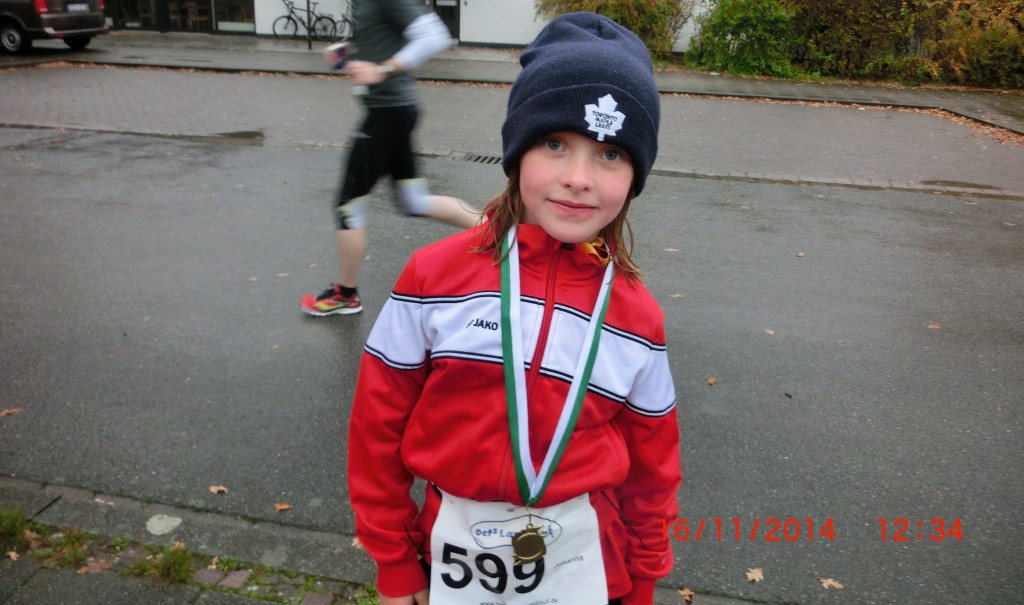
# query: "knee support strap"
x,y
352,214
413,197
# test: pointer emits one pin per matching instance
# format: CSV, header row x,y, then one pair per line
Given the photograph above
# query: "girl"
x,y
520,368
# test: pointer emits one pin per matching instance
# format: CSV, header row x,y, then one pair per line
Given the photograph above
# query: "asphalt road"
x,y
157,229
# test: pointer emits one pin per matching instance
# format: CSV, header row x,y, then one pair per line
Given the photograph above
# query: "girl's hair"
x,y
507,209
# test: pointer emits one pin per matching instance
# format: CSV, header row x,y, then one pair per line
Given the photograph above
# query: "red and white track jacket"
x,y
430,403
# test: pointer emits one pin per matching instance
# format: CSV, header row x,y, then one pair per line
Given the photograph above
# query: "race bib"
x,y
472,556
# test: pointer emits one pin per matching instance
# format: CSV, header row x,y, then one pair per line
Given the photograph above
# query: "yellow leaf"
x,y
282,506
13,556
830,584
755,575
687,595
218,489
712,381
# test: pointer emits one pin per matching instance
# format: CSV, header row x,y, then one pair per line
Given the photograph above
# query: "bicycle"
x,y
346,23
321,26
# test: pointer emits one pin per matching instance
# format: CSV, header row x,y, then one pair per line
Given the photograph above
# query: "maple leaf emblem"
x,y
603,118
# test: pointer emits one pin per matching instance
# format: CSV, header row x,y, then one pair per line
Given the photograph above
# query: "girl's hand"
x,y
420,598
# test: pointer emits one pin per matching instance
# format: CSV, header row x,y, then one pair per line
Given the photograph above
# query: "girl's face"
x,y
573,186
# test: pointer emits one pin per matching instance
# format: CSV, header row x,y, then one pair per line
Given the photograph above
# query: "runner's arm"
x,y
426,37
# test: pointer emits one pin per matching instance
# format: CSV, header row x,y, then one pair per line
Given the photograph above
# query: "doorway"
x,y
448,10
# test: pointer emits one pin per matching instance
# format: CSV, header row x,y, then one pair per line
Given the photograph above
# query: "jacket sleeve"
x,y
391,376
648,496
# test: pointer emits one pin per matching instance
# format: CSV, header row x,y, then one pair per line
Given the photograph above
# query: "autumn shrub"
x,y
656,22
857,38
982,43
746,37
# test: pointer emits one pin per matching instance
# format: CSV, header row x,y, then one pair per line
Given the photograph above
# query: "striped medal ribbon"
x,y
532,483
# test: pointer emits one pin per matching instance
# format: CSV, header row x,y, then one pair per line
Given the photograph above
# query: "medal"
x,y
528,545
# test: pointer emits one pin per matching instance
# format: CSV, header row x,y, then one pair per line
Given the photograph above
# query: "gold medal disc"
x,y
528,546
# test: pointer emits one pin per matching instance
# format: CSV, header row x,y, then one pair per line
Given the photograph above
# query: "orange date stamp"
x,y
772,529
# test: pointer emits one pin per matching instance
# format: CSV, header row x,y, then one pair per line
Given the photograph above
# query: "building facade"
x,y
512,23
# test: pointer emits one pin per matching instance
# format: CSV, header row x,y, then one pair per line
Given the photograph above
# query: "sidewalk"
x,y
333,570
488,65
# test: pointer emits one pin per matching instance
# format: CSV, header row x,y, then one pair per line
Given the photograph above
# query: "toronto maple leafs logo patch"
x,y
603,118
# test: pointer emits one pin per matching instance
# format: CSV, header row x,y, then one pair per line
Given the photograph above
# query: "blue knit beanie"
x,y
587,74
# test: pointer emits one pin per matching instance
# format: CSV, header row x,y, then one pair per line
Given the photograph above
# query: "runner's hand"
x,y
365,72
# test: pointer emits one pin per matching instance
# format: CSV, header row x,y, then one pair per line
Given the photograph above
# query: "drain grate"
x,y
483,159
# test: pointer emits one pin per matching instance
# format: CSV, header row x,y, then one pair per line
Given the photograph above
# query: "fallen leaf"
x,y
800,255
1010,224
357,544
671,249
94,567
934,325
10,411
282,275
99,500
178,545
680,295
282,506
712,381
213,563
218,489
830,584
687,595
13,556
770,332
755,575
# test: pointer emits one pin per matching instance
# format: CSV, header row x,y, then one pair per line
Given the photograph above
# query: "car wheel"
x,y
78,42
12,38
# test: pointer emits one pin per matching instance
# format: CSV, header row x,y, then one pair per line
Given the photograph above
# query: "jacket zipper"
x,y
545,326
